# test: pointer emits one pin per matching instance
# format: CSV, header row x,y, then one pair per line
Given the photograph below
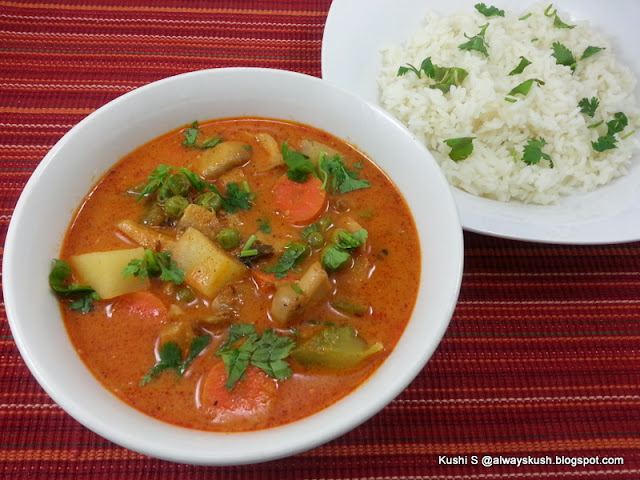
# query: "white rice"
x,y
478,108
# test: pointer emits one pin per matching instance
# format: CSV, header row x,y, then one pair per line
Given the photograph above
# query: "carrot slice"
x,y
140,305
245,407
300,202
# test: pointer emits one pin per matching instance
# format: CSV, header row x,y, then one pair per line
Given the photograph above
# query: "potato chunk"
x,y
312,149
207,267
288,302
223,157
103,271
201,219
274,156
146,236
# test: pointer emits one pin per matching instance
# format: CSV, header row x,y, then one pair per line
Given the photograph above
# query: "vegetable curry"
x,y
238,274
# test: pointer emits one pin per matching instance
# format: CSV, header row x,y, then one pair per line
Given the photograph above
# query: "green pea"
x,y
324,223
315,239
174,206
185,294
336,235
210,200
302,250
228,238
179,184
154,215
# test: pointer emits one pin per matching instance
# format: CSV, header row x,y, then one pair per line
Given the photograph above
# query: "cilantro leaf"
x,y
563,55
235,199
589,106
524,87
618,124
590,50
339,177
197,345
532,152
560,24
299,164
461,147
194,179
524,63
191,136
477,42
267,352
608,141
155,265
293,254
82,296
264,224
336,255
171,357
556,20
444,77
270,353
605,142
156,180
426,66
489,11
314,227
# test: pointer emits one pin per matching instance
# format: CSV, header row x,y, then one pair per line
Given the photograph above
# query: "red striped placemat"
x,y
538,372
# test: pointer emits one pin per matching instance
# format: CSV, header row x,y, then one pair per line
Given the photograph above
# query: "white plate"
x,y
355,32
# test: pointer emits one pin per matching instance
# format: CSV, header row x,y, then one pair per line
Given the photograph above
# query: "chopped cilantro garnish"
x,y
461,147
293,254
563,55
618,124
157,180
264,224
171,357
532,152
236,198
299,164
444,77
604,142
556,20
589,106
477,42
489,11
336,255
267,352
426,66
338,177
523,88
314,227
191,136
82,296
524,63
615,126
590,50
155,265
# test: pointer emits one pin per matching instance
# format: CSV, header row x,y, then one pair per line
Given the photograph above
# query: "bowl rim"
x,y
262,448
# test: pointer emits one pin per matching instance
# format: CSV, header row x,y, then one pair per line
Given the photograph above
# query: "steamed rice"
x,y
478,108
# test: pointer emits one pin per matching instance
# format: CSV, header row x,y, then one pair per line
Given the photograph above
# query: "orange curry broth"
x,y
120,346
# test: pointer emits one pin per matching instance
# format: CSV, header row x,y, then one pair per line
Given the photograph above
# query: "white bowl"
x,y
85,153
